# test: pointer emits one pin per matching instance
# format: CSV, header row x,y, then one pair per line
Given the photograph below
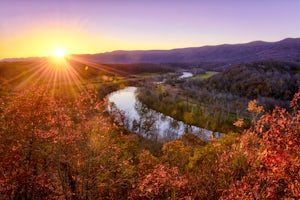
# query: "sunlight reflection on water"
x,y
151,123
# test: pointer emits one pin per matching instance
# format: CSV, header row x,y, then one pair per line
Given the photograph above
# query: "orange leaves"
x,y
63,147
254,107
161,182
277,172
255,110
44,131
239,123
294,103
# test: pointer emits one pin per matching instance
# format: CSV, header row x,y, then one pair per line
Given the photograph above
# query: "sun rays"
x,y
52,73
70,74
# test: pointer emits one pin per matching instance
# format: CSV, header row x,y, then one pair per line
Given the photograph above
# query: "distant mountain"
x,y
285,50
21,59
220,55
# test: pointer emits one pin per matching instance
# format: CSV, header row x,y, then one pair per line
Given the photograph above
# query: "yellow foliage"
x,y
239,122
254,107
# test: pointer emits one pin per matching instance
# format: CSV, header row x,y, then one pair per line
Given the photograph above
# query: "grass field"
x,y
206,75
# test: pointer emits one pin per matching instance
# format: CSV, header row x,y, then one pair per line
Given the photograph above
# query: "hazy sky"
x,y
35,27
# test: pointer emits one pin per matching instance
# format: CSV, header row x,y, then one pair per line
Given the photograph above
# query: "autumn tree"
x,y
161,182
26,151
275,172
176,154
55,144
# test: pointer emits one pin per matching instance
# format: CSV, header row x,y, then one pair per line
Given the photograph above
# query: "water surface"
x,y
148,122
186,75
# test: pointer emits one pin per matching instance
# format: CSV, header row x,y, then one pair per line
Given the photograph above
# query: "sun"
x,y
58,52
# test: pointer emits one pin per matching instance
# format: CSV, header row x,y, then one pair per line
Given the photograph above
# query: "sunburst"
x,y
58,53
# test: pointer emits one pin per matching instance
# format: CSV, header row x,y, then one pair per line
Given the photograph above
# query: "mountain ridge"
x,y
286,49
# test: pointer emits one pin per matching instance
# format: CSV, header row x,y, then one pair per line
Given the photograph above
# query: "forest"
x,y
215,100
57,141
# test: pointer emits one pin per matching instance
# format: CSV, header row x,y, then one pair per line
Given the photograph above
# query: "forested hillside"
x,y
149,100
63,146
17,72
214,100
277,80
270,82
57,140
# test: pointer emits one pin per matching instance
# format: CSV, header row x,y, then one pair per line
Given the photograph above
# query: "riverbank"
x,y
148,122
173,101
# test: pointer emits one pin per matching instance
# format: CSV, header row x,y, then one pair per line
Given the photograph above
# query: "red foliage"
x,y
43,143
161,182
277,174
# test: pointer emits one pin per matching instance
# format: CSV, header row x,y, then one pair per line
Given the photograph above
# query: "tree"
x,y
161,183
176,154
60,145
275,173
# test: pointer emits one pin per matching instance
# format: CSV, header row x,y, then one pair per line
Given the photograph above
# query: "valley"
x,y
82,129
149,100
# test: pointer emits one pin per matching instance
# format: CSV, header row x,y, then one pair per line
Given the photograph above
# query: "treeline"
x,y
206,113
216,102
141,68
92,70
278,80
270,82
15,72
62,145
209,66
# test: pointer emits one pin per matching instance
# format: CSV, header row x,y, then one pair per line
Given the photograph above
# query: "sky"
x,y
36,27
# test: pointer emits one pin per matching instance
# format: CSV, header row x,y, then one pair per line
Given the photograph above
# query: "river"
x,y
186,75
147,122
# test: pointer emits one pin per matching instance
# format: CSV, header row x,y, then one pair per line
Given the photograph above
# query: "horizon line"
x,y
176,48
